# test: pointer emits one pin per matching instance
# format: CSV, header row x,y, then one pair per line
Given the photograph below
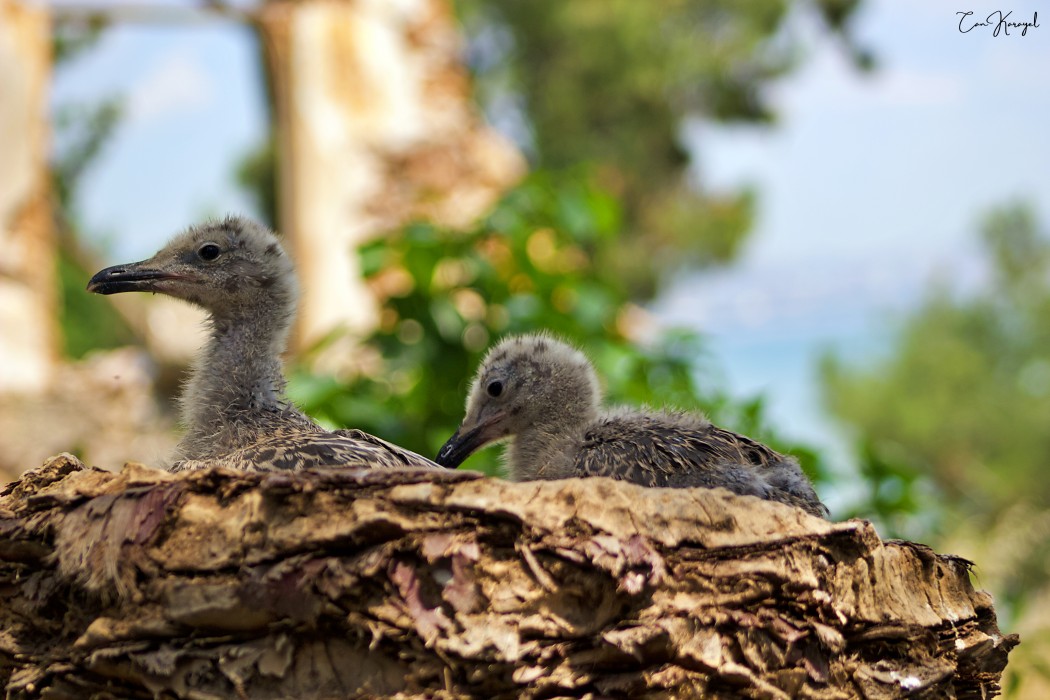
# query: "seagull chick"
x,y
233,406
542,396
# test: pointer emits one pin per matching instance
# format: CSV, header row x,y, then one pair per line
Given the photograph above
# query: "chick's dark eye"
x,y
495,388
208,251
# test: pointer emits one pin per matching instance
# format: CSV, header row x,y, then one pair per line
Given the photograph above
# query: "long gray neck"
x,y
536,455
235,382
548,451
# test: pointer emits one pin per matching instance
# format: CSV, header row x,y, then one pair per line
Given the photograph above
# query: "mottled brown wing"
x,y
681,451
653,452
743,449
388,454
789,483
344,448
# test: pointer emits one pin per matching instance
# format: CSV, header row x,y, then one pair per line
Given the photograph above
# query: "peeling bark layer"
x,y
216,584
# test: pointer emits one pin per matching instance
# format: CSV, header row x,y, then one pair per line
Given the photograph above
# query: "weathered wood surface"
x,y
217,584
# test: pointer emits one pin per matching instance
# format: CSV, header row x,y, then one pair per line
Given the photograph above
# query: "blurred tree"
x,y
606,88
953,427
256,177
608,84
81,132
532,263
965,397
613,82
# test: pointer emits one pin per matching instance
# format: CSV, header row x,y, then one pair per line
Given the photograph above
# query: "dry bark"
x,y
349,583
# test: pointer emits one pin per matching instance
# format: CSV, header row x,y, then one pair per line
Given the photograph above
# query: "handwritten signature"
x,y
998,20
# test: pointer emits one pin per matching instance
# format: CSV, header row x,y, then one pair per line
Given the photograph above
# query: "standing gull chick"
x,y
233,406
542,395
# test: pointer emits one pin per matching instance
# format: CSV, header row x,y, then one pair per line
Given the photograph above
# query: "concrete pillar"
x,y
28,296
376,126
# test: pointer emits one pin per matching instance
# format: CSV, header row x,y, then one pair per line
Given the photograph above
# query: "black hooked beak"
x,y
132,277
464,443
460,446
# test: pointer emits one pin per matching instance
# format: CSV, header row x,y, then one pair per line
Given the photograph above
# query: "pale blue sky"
x,y
195,104
870,186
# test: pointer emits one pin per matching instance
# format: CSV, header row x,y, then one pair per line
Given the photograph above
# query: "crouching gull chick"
x,y
233,406
542,395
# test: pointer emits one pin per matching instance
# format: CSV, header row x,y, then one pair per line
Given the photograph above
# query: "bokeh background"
x,y
823,222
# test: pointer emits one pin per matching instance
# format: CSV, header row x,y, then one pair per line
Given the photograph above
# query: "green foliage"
x,y
964,400
612,82
257,176
953,436
70,39
897,495
531,264
86,324
82,131
604,84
